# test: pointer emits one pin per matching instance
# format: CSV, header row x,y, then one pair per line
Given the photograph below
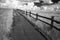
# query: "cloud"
x,y
19,5
27,0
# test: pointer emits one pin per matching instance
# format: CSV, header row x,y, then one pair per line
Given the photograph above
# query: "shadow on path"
x,y
23,30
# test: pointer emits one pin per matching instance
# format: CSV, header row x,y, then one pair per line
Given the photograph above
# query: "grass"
x,y
5,23
53,33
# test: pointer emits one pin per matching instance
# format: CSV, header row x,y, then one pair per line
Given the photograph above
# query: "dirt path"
x,y
23,30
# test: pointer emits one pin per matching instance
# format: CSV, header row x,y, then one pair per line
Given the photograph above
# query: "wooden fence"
x,y
51,19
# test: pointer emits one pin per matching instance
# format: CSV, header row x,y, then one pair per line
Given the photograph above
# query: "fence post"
x,y
36,17
26,12
23,12
52,22
30,13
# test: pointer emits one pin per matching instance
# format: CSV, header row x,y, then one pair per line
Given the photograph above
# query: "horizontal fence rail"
x,y
46,18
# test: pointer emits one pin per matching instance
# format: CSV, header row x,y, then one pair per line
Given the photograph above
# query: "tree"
x,y
55,1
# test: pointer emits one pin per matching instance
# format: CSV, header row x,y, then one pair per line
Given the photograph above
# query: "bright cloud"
x,y
20,5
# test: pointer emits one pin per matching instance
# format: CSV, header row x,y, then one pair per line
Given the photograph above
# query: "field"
x,y
5,22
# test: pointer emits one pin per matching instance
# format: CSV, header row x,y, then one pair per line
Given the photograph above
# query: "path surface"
x,y
23,30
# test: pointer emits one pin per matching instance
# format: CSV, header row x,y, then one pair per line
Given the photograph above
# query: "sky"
x,y
21,5
19,0
17,4
27,0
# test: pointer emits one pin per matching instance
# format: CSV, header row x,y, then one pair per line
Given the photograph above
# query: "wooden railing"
x,y
37,18
51,19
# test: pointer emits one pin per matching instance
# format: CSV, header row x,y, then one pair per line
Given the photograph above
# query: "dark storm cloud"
x,y
55,1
